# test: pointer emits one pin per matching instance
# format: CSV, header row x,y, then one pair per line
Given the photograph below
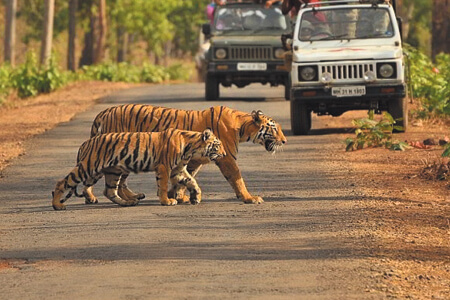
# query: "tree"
x,y
87,54
99,53
10,31
440,28
46,46
73,5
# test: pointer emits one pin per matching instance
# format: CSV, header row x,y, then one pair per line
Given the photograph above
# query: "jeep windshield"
x,y
345,24
249,20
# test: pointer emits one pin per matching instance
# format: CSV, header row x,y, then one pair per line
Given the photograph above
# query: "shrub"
x,y
153,74
430,83
30,80
372,133
5,82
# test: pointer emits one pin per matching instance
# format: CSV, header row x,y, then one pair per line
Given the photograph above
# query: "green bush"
x,y
113,72
30,80
179,72
5,82
153,74
125,72
372,133
430,83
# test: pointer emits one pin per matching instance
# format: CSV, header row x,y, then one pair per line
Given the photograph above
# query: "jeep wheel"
x,y
398,108
300,118
211,88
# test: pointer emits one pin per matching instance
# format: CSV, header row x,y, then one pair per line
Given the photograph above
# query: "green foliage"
x,y
30,80
446,152
153,74
5,82
372,133
430,83
32,12
419,34
111,72
126,72
179,72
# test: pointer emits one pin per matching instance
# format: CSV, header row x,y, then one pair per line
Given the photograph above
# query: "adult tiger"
x,y
117,154
229,125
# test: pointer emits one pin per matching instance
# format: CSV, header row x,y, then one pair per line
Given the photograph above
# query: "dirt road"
x,y
304,242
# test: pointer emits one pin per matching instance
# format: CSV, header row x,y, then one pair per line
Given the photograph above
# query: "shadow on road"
x,y
323,131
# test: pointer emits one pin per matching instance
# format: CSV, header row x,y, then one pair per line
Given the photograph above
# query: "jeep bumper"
x,y
227,73
321,100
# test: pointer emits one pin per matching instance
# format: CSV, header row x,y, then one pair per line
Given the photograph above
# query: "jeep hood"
x,y
246,40
313,52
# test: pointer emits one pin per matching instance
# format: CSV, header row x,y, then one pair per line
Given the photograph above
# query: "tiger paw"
x,y
183,200
169,202
133,202
195,200
127,194
59,206
254,200
92,200
179,196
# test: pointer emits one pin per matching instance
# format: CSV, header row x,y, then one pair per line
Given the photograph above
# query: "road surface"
x,y
294,246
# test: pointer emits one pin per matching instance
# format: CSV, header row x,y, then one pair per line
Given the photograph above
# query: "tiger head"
x,y
214,149
268,132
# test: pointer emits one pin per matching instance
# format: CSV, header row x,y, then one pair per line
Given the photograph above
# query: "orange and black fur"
x,y
230,126
115,155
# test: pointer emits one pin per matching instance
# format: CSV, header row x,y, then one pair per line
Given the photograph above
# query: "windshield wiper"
x,y
330,37
378,34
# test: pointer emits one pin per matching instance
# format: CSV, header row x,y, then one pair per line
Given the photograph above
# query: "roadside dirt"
x,y
411,232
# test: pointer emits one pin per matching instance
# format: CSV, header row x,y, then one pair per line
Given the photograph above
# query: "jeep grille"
x,y
250,53
348,71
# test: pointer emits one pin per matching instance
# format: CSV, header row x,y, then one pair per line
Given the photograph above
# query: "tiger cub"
x,y
118,154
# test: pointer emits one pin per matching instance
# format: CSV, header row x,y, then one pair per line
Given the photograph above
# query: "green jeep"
x,y
245,47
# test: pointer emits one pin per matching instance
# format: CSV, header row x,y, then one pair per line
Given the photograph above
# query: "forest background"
x,y
48,43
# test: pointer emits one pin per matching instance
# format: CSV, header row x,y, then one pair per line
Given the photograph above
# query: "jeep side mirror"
x,y
206,29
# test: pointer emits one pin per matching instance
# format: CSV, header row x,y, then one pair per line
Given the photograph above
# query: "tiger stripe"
x,y
115,155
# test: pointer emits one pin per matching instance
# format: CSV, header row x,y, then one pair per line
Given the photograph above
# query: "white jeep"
x,y
347,55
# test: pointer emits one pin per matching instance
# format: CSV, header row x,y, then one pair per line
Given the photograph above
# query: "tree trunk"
x,y
73,5
10,31
87,55
101,41
441,27
46,46
122,44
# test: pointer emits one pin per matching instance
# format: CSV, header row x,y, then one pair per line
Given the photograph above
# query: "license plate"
x,y
252,66
348,91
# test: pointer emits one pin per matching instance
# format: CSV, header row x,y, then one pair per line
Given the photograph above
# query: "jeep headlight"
x,y
385,70
326,77
369,76
278,53
220,53
308,73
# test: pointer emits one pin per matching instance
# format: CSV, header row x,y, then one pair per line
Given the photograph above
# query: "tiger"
x,y
115,155
230,126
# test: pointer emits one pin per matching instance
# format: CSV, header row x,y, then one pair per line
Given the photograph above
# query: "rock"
x,y
430,142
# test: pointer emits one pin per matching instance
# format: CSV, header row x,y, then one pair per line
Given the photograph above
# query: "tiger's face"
x,y
269,133
214,149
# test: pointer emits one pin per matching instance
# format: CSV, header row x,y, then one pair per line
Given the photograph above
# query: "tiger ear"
x,y
206,134
256,115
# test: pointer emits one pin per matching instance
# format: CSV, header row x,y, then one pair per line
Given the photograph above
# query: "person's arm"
x,y
269,3
286,6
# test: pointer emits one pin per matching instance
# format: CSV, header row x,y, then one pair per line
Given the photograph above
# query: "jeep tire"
x,y
211,88
398,108
300,118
